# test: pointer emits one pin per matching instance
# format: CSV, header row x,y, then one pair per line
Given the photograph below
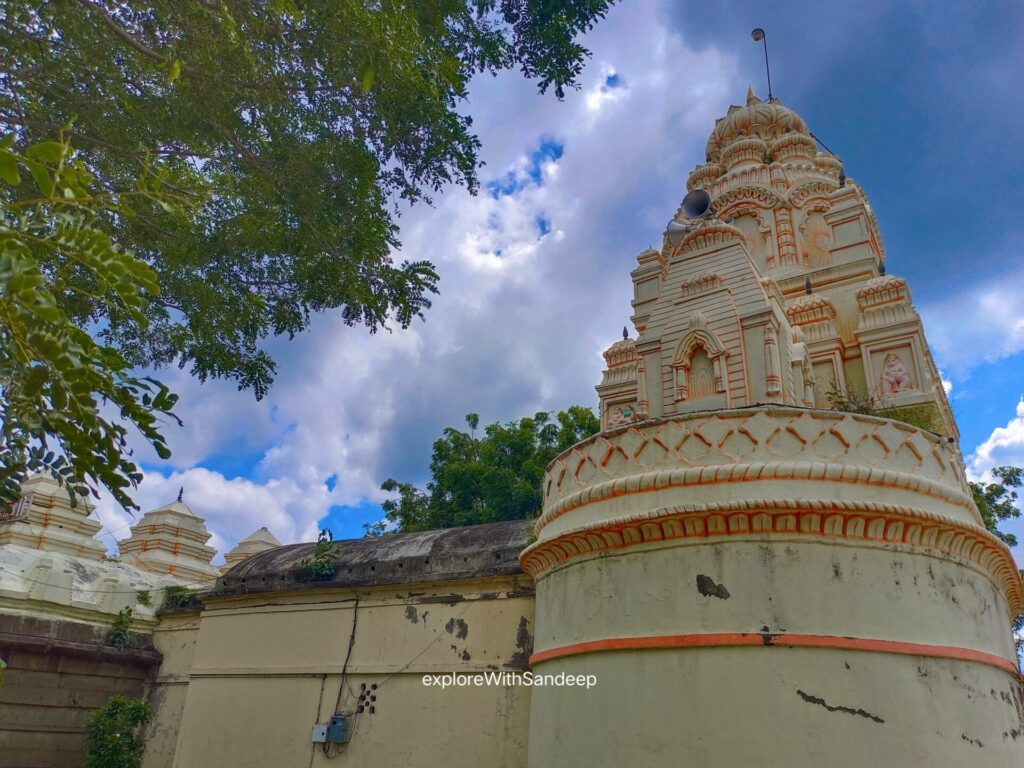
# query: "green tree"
x,y
485,479
997,503
55,262
997,500
112,738
284,136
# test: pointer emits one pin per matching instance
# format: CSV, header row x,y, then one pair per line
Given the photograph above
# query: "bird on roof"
x,y
181,492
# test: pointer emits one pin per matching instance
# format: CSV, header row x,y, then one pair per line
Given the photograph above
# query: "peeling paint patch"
x,y
411,614
811,699
969,740
707,587
458,627
524,645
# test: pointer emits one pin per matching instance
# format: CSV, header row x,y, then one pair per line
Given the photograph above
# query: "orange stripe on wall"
x,y
732,639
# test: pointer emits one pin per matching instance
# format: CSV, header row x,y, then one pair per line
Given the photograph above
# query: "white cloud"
x,y
522,316
977,325
1004,447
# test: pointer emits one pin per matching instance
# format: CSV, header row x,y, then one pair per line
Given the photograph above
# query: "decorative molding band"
x,y
646,482
768,640
707,235
855,521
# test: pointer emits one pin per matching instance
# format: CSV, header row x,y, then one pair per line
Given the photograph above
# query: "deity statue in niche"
x,y
702,376
621,414
895,377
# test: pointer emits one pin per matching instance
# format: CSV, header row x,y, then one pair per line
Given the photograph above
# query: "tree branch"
x,y
122,33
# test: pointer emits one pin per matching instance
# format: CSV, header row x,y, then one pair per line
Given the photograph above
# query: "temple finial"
x,y
625,333
751,96
807,286
181,492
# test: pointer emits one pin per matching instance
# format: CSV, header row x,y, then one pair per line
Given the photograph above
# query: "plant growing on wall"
x,y
856,401
320,565
175,596
112,738
120,634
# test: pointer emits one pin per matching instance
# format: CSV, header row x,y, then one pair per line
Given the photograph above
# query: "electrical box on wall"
x,y
334,732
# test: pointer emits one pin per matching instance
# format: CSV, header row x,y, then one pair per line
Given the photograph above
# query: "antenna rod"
x,y
758,35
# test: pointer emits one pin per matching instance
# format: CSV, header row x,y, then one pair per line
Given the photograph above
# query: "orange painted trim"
x,y
861,522
735,639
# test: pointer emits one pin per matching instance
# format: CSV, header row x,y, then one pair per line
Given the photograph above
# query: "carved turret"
x,y
171,540
718,306
254,543
44,519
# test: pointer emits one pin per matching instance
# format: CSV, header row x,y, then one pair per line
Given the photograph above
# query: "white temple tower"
x,y
171,540
754,577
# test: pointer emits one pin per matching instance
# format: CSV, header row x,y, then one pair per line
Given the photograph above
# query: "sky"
x,y
922,106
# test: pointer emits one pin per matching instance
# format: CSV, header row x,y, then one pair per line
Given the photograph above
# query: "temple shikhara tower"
x,y
769,555
755,574
777,294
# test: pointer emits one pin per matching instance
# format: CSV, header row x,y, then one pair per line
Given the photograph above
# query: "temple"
x,y
768,555
777,294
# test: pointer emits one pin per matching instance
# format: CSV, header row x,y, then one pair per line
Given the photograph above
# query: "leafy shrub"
x,y
175,596
112,738
120,634
320,566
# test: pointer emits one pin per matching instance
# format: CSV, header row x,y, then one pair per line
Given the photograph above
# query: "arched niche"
x,y
699,363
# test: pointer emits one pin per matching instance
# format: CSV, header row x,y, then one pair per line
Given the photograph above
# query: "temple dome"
x,y
767,120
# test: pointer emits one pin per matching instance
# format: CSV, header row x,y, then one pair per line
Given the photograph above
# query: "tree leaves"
x,y
293,131
996,501
113,733
67,401
488,479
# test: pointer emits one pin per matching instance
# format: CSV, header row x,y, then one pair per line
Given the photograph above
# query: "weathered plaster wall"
x,y
244,680
175,639
58,671
265,670
780,586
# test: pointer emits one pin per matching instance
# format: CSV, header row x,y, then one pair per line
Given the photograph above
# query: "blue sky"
x,y
921,104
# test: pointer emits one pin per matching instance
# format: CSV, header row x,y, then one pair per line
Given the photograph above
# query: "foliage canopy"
x,y
237,167
996,500
485,479
112,738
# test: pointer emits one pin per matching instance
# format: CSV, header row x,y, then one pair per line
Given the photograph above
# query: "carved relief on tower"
x,y
828,165
895,377
743,151
793,147
884,301
699,367
702,177
814,236
702,283
799,197
815,314
894,369
619,414
750,221
711,233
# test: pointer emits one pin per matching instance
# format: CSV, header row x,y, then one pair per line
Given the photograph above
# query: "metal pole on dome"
x,y
758,36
